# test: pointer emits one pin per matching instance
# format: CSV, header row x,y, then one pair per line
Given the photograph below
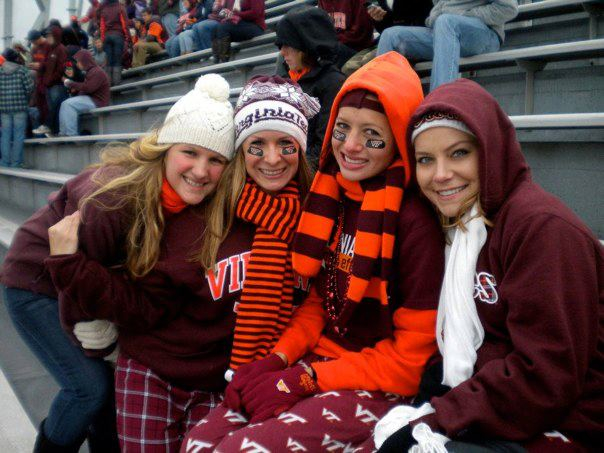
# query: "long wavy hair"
x,y
223,206
133,182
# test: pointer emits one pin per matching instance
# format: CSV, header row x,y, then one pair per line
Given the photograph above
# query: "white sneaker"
x,y
41,130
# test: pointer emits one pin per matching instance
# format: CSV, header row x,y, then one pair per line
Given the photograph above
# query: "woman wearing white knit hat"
x,y
117,249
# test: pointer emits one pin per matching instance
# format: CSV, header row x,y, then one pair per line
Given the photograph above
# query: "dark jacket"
x,y
163,7
54,64
404,12
16,86
351,21
311,30
113,19
539,296
96,83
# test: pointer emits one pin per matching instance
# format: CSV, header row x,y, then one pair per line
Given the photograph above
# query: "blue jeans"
x,y
13,134
56,95
451,37
85,400
114,48
172,46
70,109
170,23
186,41
204,32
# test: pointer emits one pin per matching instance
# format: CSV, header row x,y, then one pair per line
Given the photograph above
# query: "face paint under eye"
x,y
255,151
289,150
340,136
375,144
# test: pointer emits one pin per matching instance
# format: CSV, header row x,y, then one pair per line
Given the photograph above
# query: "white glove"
x,y
97,334
67,82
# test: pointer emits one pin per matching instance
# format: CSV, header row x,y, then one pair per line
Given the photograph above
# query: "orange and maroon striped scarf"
x,y
267,298
380,199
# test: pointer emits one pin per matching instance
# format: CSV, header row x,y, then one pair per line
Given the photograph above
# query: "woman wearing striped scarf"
x,y
375,251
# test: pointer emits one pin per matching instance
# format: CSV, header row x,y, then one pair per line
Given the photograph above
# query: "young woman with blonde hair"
x,y
520,317
113,244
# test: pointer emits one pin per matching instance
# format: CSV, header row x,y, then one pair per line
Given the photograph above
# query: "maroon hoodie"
x,y
353,25
54,64
96,84
539,295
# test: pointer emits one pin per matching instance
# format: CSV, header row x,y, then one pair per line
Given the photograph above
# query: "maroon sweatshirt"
x,y
96,84
101,237
54,65
539,295
353,25
176,320
415,282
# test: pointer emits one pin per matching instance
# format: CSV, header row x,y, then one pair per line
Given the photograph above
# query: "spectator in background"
x,y
384,14
151,41
52,80
168,12
92,92
353,27
238,21
204,30
100,57
16,87
454,29
188,38
114,34
39,51
307,41
182,43
91,17
73,35
24,54
139,6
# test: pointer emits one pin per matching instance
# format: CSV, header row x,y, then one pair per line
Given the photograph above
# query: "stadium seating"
x,y
548,76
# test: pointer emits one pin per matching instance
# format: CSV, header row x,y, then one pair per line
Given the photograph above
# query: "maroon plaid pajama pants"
x,y
340,420
152,415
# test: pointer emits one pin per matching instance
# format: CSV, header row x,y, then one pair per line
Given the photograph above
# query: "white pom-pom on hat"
x,y
202,117
215,86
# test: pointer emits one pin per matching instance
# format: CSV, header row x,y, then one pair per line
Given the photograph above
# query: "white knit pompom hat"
x,y
203,117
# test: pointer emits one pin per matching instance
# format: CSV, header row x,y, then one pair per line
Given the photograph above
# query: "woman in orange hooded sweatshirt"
x,y
361,339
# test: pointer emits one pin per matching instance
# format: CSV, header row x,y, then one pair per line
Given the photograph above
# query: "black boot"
x,y
45,445
216,50
225,49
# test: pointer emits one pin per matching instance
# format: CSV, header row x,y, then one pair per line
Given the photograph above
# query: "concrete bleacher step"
x,y
28,189
537,23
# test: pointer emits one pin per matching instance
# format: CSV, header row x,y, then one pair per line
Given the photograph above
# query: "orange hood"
x,y
398,88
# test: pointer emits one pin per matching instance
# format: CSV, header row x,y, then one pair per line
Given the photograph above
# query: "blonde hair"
x,y
221,212
137,189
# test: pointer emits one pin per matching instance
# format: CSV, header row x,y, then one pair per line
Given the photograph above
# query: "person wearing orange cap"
x,y
360,341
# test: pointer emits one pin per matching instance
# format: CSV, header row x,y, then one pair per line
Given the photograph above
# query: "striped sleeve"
x,y
304,329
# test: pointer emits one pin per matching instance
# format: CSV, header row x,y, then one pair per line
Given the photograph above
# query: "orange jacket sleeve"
x,y
393,365
304,329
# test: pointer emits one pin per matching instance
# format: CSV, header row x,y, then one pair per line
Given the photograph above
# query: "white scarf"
x,y
459,332
400,416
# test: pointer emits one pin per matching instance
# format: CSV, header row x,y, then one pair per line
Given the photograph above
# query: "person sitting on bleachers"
x,y
182,43
168,12
152,40
100,57
384,14
454,29
238,20
353,27
115,36
307,41
520,323
92,92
